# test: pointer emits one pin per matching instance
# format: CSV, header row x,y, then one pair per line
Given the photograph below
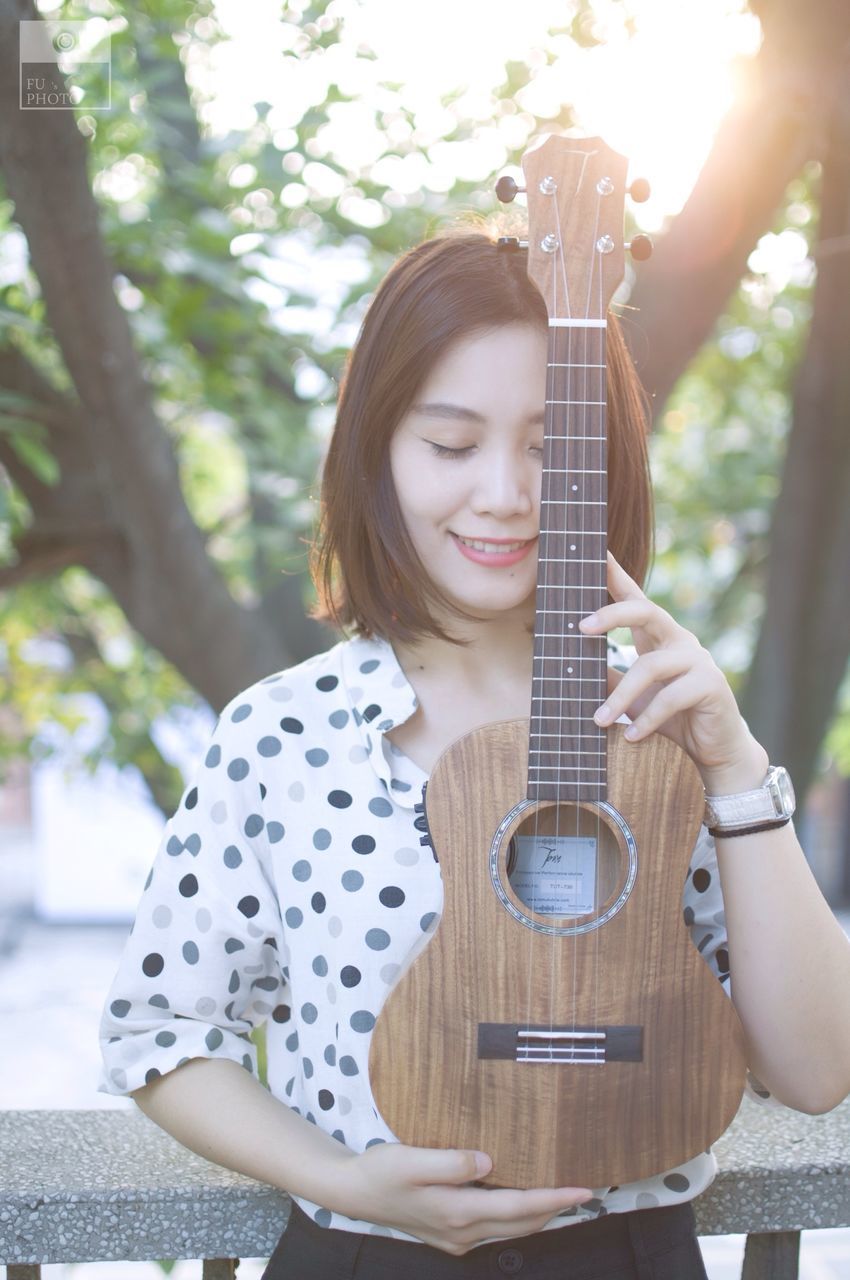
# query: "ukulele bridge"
x,y
564,1044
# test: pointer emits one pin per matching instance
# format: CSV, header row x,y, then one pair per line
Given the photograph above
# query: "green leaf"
x,y
35,456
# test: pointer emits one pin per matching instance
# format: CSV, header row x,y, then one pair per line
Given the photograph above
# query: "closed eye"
x,y
444,451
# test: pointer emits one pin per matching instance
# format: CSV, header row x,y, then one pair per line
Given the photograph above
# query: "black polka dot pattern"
x,y
288,891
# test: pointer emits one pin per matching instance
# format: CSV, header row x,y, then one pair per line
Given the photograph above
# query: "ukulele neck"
x,y
567,750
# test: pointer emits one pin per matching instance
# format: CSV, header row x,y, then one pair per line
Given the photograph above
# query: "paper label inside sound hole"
x,y
555,875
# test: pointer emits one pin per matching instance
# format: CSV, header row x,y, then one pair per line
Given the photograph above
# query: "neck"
x,y
499,653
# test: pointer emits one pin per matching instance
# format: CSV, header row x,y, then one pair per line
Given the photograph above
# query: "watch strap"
x,y
726,833
772,801
743,807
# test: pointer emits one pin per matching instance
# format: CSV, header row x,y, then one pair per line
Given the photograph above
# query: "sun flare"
x,y
655,87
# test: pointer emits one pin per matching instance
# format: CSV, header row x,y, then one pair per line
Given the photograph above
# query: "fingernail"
x,y
590,621
603,715
631,733
483,1163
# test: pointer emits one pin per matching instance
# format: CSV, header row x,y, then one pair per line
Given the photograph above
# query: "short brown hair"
x,y
365,569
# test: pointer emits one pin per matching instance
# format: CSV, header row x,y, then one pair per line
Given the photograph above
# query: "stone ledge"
x,y
83,1186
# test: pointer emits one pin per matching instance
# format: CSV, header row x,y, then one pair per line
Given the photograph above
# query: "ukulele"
x,y
560,1018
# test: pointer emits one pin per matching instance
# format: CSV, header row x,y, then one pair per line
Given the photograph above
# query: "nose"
x,y
505,485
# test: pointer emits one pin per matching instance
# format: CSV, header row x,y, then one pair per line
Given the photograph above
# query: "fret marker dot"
x,y
574,487
571,625
569,670
572,546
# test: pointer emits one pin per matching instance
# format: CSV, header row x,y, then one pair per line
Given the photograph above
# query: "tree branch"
x,y
800,73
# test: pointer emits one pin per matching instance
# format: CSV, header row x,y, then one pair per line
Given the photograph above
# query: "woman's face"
x,y
466,463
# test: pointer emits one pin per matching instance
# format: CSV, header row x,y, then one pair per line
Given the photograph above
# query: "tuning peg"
x,y
506,189
640,248
511,244
639,190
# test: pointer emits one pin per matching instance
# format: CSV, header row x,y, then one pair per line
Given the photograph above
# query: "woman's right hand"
x,y
427,1194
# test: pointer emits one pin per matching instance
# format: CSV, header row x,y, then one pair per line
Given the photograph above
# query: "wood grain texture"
x,y
546,1124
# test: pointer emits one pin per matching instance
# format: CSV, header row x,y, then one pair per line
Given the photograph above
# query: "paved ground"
x,y
53,980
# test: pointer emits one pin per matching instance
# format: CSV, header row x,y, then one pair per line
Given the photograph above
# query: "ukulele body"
x,y
646,1064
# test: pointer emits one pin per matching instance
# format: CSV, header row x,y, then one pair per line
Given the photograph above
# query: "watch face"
x,y
785,790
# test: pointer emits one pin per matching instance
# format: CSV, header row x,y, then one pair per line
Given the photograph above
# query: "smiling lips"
x,y
493,551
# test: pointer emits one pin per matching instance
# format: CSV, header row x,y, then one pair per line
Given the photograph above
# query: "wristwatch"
x,y
770,805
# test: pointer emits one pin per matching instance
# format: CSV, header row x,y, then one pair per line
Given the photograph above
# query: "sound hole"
x,y
565,861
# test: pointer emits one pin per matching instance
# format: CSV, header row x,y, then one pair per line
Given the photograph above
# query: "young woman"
x,y
290,885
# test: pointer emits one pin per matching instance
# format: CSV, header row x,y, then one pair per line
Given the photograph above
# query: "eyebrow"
x,y
459,413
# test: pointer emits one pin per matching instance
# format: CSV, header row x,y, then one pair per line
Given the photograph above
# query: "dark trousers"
x,y
646,1244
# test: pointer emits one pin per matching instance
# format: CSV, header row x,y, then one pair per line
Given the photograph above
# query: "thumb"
x,y
431,1165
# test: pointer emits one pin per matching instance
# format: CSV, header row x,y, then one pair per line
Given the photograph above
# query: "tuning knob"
x,y
511,244
639,190
506,189
640,247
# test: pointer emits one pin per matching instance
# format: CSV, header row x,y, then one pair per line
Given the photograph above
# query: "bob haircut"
x,y
364,567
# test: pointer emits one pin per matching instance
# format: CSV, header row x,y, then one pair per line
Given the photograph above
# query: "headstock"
x,y
576,189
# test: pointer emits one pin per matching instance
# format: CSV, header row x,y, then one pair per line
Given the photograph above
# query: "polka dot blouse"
x,y
288,889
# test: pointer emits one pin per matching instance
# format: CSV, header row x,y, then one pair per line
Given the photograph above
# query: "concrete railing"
x,y
95,1186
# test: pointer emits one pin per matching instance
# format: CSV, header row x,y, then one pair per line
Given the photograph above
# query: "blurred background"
x,y
186,254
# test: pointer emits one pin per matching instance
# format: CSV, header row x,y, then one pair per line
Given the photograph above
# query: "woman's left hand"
x,y
675,688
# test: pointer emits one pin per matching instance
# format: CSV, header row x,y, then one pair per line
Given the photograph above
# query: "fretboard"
x,y
567,750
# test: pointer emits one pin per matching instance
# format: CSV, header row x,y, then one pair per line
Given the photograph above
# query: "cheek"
x,y
425,491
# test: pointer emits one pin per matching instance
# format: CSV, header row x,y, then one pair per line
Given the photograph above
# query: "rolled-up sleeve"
x,y
202,965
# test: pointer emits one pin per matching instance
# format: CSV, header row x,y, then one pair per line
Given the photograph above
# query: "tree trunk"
x,y
804,645
159,570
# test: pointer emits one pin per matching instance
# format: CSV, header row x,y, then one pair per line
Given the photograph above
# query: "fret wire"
x,y
601,782
566,322
550,697
564,676
576,402
558,657
564,560
557,719
568,364
572,700
570,768
590,471
564,789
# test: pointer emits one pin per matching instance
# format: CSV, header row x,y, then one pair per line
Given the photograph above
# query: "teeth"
x,y
491,546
